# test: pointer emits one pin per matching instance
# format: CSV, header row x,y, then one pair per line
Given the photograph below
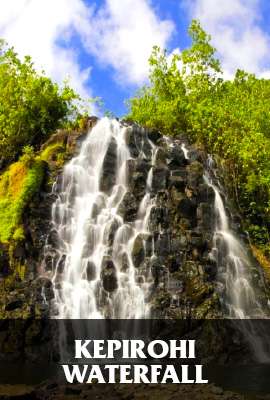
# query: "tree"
x,y
31,105
230,118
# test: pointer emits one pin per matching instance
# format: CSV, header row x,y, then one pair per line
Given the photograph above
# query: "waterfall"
x,y
93,271
236,280
234,277
234,267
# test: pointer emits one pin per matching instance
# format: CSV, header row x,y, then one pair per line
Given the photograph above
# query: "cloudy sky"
x,y
103,45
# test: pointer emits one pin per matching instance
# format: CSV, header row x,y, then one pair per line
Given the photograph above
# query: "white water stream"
x,y
235,277
234,265
83,215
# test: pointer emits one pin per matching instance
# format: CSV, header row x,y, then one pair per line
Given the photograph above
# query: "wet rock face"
x,y
128,208
181,224
138,252
195,174
90,271
137,172
108,276
4,261
176,251
160,178
176,157
44,289
109,167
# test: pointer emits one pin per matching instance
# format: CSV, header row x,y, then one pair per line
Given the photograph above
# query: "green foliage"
x,y
31,105
28,156
52,152
17,187
229,118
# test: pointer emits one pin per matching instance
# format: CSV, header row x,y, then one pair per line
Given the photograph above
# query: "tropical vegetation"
x,y
230,118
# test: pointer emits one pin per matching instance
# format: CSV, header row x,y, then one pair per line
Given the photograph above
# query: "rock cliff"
x,y
177,249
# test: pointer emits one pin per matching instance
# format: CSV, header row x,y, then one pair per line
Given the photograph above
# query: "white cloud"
x,y
122,34
34,27
234,27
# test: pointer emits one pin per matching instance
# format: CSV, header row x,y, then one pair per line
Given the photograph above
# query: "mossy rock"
x,y
196,168
162,301
18,184
54,153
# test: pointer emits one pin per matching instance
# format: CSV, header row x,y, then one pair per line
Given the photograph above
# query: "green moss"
x,y
18,234
53,152
17,186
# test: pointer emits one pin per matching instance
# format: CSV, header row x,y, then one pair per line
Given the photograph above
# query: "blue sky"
x,y
103,46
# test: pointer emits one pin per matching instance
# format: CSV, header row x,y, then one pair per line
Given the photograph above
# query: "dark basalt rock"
x,y
187,209
176,157
205,194
48,262
197,240
142,166
90,271
154,135
160,179
111,231
175,262
162,244
161,158
146,149
128,207
108,276
148,245
19,251
157,268
52,238
109,167
13,305
196,155
205,215
137,176
4,261
195,174
124,262
43,287
210,268
133,140
159,219
131,168
178,179
137,141
88,246
61,264
139,185
138,251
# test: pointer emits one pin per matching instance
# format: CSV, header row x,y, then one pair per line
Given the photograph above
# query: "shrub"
x,y
31,105
229,118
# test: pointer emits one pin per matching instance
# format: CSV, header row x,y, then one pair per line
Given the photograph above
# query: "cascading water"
x,y
234,274
93,271
234,267
235,280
